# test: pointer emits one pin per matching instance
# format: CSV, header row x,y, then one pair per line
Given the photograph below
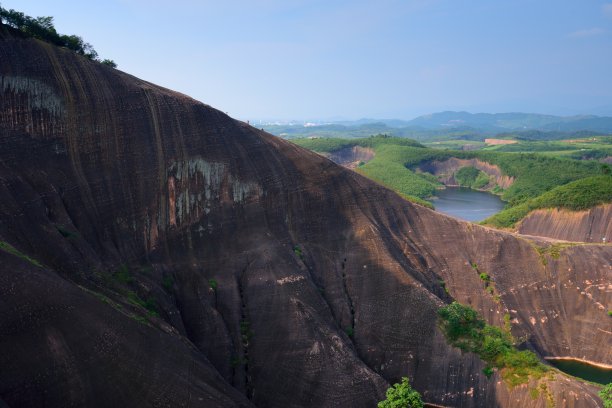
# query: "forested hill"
x,y
526,180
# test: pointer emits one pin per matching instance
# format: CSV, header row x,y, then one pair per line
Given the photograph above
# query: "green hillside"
x,y
577,195
538,177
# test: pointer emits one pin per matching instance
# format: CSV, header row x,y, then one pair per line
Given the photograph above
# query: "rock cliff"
x,y
154,251
592,225
445,171
351,157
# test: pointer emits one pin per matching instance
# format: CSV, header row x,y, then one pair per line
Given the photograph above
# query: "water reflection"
x,y
583,370
467,204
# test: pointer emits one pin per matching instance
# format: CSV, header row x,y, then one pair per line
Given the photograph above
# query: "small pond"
x,y
582,370
467,204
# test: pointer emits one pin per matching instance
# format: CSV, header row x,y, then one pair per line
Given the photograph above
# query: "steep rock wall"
x,y
446,169
350,157
593,225
279,278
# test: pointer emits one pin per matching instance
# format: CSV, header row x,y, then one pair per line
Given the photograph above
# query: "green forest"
x,y
542,179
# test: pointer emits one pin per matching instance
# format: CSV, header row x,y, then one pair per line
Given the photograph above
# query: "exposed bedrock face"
x,y
351,157
445,171
592,225
279,278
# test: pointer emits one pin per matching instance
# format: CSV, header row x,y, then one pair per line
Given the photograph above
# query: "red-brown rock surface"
x,y
592,225
258,256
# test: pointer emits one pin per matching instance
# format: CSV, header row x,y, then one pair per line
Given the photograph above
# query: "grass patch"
x,y
298,252
398,178
507,322
443,285
105,299
416,200
123,274
245,331
238,361
140,319
167,283
553,250
66,233
149,304
465,329
6,247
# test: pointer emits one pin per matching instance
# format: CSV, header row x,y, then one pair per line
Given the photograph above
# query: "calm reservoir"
x,y
583,370
467,204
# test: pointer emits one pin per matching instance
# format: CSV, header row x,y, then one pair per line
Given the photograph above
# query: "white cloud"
x,y
607,9
588,32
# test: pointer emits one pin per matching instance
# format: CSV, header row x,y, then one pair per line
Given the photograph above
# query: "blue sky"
x,y
298,59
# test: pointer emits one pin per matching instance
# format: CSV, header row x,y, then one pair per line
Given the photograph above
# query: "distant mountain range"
x,y
495,122
500,122
451,124
479,122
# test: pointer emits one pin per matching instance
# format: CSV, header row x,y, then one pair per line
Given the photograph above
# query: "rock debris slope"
x,y
155,251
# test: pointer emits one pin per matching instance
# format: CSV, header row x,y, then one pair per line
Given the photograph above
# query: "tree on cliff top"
x,y
402,395
42,28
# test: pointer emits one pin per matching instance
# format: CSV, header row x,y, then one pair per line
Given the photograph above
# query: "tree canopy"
x,y
606,396
402,395
42,28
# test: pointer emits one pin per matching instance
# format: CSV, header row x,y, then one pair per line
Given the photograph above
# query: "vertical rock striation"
x,y
156,252
592,225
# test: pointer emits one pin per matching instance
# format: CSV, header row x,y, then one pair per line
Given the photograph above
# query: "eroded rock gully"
x,y
278,279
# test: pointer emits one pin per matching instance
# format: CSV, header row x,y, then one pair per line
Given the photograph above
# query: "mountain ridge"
x,y
162,224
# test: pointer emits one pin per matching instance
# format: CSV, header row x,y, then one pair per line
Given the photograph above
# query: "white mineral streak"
x,y
289,279
40,95
241,190
207,179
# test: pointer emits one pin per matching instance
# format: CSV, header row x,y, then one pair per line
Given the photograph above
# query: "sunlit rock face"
x,y
592,225
162,253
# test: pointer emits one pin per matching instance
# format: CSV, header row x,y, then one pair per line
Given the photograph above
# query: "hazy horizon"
x,y
337,119
297,59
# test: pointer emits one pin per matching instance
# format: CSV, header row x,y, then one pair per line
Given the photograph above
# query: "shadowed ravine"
x,y
166,254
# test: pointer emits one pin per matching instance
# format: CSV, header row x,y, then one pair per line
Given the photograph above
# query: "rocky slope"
x,y
153,251
592,225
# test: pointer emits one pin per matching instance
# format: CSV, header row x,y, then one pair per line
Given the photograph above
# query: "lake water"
x,y
583,370
467,204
